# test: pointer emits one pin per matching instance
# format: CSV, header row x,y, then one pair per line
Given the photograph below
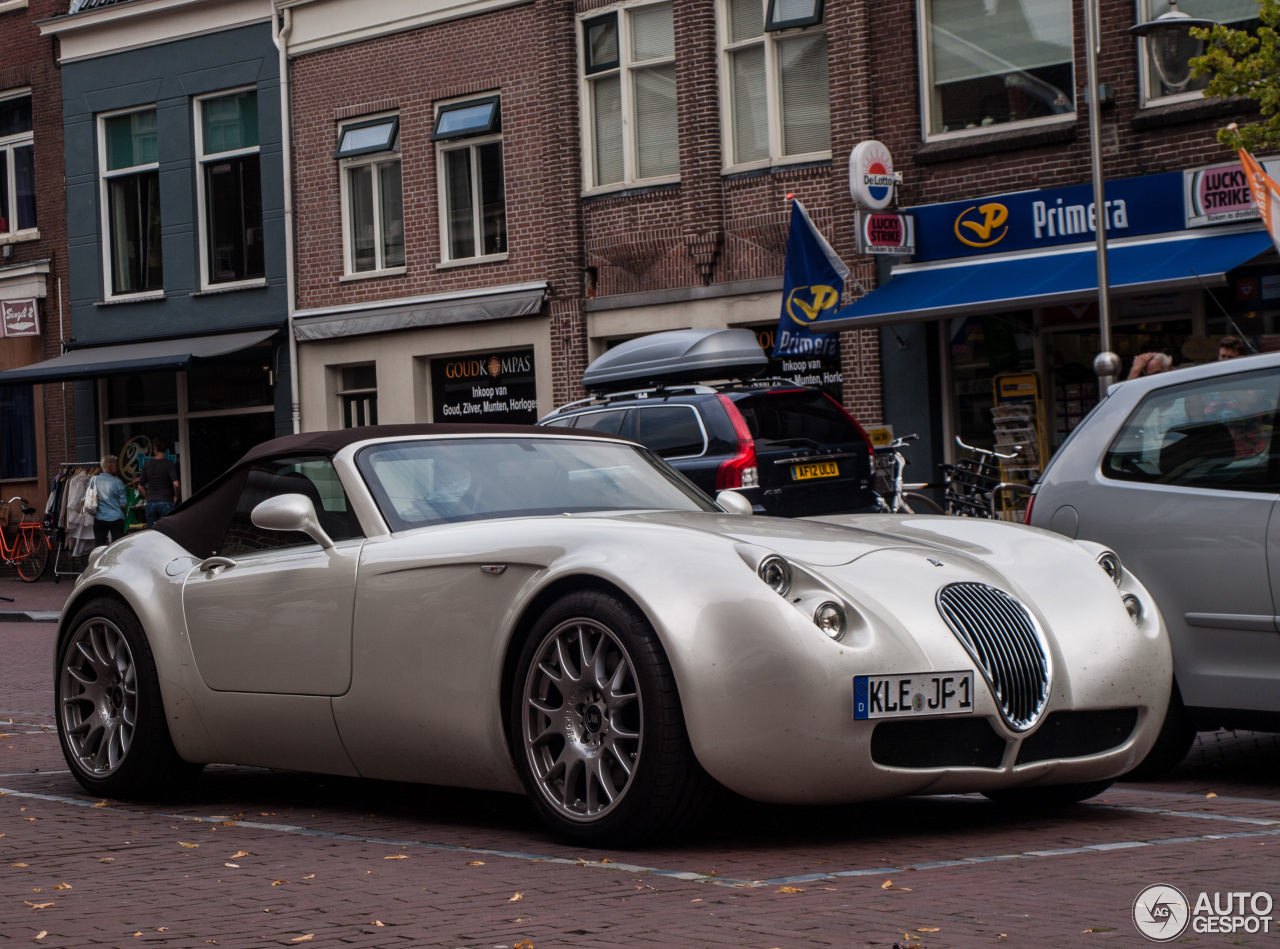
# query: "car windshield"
x,y
420,483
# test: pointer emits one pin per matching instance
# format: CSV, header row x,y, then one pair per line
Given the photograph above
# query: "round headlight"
x,y
830,618
1110,563
777,573
1134,606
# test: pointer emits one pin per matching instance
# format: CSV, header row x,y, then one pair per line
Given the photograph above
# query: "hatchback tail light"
x,y
1031,502
740,470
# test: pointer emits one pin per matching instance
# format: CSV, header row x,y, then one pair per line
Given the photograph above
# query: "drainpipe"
x,y
280,34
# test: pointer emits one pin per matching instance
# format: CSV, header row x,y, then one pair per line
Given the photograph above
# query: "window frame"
x,y
373,159
202,220
9,144
925,73
343,393
104,200
770,38
625,69
470,142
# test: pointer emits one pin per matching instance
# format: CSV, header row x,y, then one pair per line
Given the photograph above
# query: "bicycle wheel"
x,y
32,554
913,502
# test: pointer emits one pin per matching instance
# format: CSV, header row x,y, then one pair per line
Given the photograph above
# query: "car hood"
x,y
831,541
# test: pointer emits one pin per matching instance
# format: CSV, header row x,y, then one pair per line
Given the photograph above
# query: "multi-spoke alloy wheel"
x,y
98,696
597,729
583,719
111,720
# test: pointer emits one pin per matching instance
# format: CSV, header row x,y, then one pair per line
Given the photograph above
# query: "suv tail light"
x,y
740,470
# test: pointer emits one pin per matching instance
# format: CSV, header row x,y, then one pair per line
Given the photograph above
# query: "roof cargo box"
x,y
681,356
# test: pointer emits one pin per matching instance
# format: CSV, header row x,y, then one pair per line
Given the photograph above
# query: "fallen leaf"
x,y
107,860
41,934
516,898
789,889
1002,935
821,861
607,860
19,864
396,856
211,942
233,866
265,814
309,876
28,818
38,905
698,900
475,863
62,886
137,934
1099,929
238,854
307,938
904,889
163,929
523,944
99,804
226,823
929,929
1211,794
278,882
183,843
886,884
378,922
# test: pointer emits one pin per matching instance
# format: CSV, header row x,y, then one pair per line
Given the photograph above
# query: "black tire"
x,y
1053,795
1177,734
111,719
913,502
581,786
35,555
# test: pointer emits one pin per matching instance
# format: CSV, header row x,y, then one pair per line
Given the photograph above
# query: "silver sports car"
x,y
514,608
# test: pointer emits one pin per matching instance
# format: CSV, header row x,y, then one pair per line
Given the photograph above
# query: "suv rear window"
x,y
796,417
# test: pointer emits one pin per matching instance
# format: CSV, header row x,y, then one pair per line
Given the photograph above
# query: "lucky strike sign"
x,y
886,233
1220,193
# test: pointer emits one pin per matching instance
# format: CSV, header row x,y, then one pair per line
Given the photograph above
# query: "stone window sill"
x,y
975,146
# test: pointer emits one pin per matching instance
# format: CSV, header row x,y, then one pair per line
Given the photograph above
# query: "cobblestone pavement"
x,y
257,858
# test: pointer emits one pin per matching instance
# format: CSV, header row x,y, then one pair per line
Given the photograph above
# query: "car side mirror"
x,y
291,512
733,502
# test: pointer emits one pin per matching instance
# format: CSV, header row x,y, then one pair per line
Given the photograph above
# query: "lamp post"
x,y
1171,48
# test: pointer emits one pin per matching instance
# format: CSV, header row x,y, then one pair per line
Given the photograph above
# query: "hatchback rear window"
x,y
796,418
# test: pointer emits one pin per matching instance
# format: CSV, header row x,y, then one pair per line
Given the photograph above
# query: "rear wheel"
x,y
1055,795
598,732
33,555
111,720
913,502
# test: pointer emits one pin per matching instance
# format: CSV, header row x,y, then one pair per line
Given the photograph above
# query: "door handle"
x,y
214,564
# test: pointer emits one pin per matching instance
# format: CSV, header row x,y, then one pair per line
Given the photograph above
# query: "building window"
x,y
473,206
1159,88
17,432
991,63
358,395
230,187
775,81
17,165
129,159
629,91
372,200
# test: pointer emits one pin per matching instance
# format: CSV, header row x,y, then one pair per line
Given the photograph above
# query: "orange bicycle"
x,y
29,550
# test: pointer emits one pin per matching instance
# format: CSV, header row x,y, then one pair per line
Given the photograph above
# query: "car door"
x,y
1188,498
272,611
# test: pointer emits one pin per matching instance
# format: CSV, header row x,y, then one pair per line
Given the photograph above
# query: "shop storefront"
x,y
1009,285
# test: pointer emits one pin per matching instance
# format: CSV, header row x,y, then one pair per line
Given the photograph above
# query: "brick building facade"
x,y
36,422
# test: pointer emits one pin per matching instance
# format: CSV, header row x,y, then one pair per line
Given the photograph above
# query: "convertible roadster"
x,y
516,608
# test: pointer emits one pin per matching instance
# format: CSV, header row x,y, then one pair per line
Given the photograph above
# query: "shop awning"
x,y
122,358
933,291
438,309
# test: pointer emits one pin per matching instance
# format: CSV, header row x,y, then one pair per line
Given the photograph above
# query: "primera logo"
x,y
810,302
987,218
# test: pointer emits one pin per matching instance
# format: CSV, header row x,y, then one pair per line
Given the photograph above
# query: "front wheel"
x,y
597,729
913,502
1055,795
33,555
111,720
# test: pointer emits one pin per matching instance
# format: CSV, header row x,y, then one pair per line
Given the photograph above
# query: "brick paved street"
x,y
255,858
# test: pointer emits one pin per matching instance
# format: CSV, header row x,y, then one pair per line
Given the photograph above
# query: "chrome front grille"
x,y
1003,640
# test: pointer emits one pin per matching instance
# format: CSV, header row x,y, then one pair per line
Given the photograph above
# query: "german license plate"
x,y
817,469
913,693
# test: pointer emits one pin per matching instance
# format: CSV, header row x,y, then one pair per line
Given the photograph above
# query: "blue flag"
x,y
813,280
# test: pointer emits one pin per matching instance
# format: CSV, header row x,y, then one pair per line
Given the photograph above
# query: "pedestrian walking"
x,y
108,519
159,482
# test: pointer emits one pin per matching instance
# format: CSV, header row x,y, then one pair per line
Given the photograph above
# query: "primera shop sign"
x,y
494,387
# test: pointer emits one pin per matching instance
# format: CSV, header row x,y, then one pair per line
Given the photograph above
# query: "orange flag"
x,y
1266,194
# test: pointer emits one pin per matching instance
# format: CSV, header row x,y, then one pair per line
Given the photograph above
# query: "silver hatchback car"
x,y
1179,473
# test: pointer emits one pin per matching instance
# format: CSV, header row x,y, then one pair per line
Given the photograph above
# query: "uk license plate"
x,y
913,694
816,469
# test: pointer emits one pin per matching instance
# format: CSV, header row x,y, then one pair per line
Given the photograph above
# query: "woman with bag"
x,y
104,498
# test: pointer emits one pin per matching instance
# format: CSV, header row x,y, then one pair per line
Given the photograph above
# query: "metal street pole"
x,y
1106,364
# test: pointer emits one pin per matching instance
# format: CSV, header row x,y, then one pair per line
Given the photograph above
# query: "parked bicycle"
x,y
29,549
975,489
893,495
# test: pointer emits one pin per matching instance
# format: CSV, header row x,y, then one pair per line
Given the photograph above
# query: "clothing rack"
x,y
59,534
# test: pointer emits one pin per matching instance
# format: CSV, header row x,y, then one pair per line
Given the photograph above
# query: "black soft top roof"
x,y
200,522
